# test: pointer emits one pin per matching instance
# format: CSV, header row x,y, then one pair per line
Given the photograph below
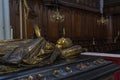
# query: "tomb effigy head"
x,y
64,43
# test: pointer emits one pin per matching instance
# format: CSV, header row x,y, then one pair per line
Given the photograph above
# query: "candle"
x,y
11,33
118,33
21,19
93,41
63,31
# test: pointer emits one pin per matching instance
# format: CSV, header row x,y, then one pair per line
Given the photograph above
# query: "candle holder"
x,y
56,15
102,20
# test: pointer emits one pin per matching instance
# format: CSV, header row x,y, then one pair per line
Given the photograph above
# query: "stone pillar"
x,y
1,21
4,20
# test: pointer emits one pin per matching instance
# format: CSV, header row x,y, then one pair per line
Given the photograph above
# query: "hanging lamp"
x,y
102,19
56,15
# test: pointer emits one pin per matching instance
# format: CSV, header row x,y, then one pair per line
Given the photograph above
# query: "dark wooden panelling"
x,y
113,9
111,1
52,28
116,25
90,5
78,23
14,18
67,22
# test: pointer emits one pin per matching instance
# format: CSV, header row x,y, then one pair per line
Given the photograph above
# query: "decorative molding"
x,y
85,6
90,5
112,9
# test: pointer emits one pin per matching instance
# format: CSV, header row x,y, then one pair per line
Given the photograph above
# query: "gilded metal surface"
x,y
63,43
37,31
35,51
72,51
6,46
43,52
6,49
46,49
38,51
18,53
31,52
14,41
4,41
67,48
7,69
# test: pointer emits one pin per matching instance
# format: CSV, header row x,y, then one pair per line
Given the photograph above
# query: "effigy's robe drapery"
x,y
6,46
33,52
43,52
16,55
